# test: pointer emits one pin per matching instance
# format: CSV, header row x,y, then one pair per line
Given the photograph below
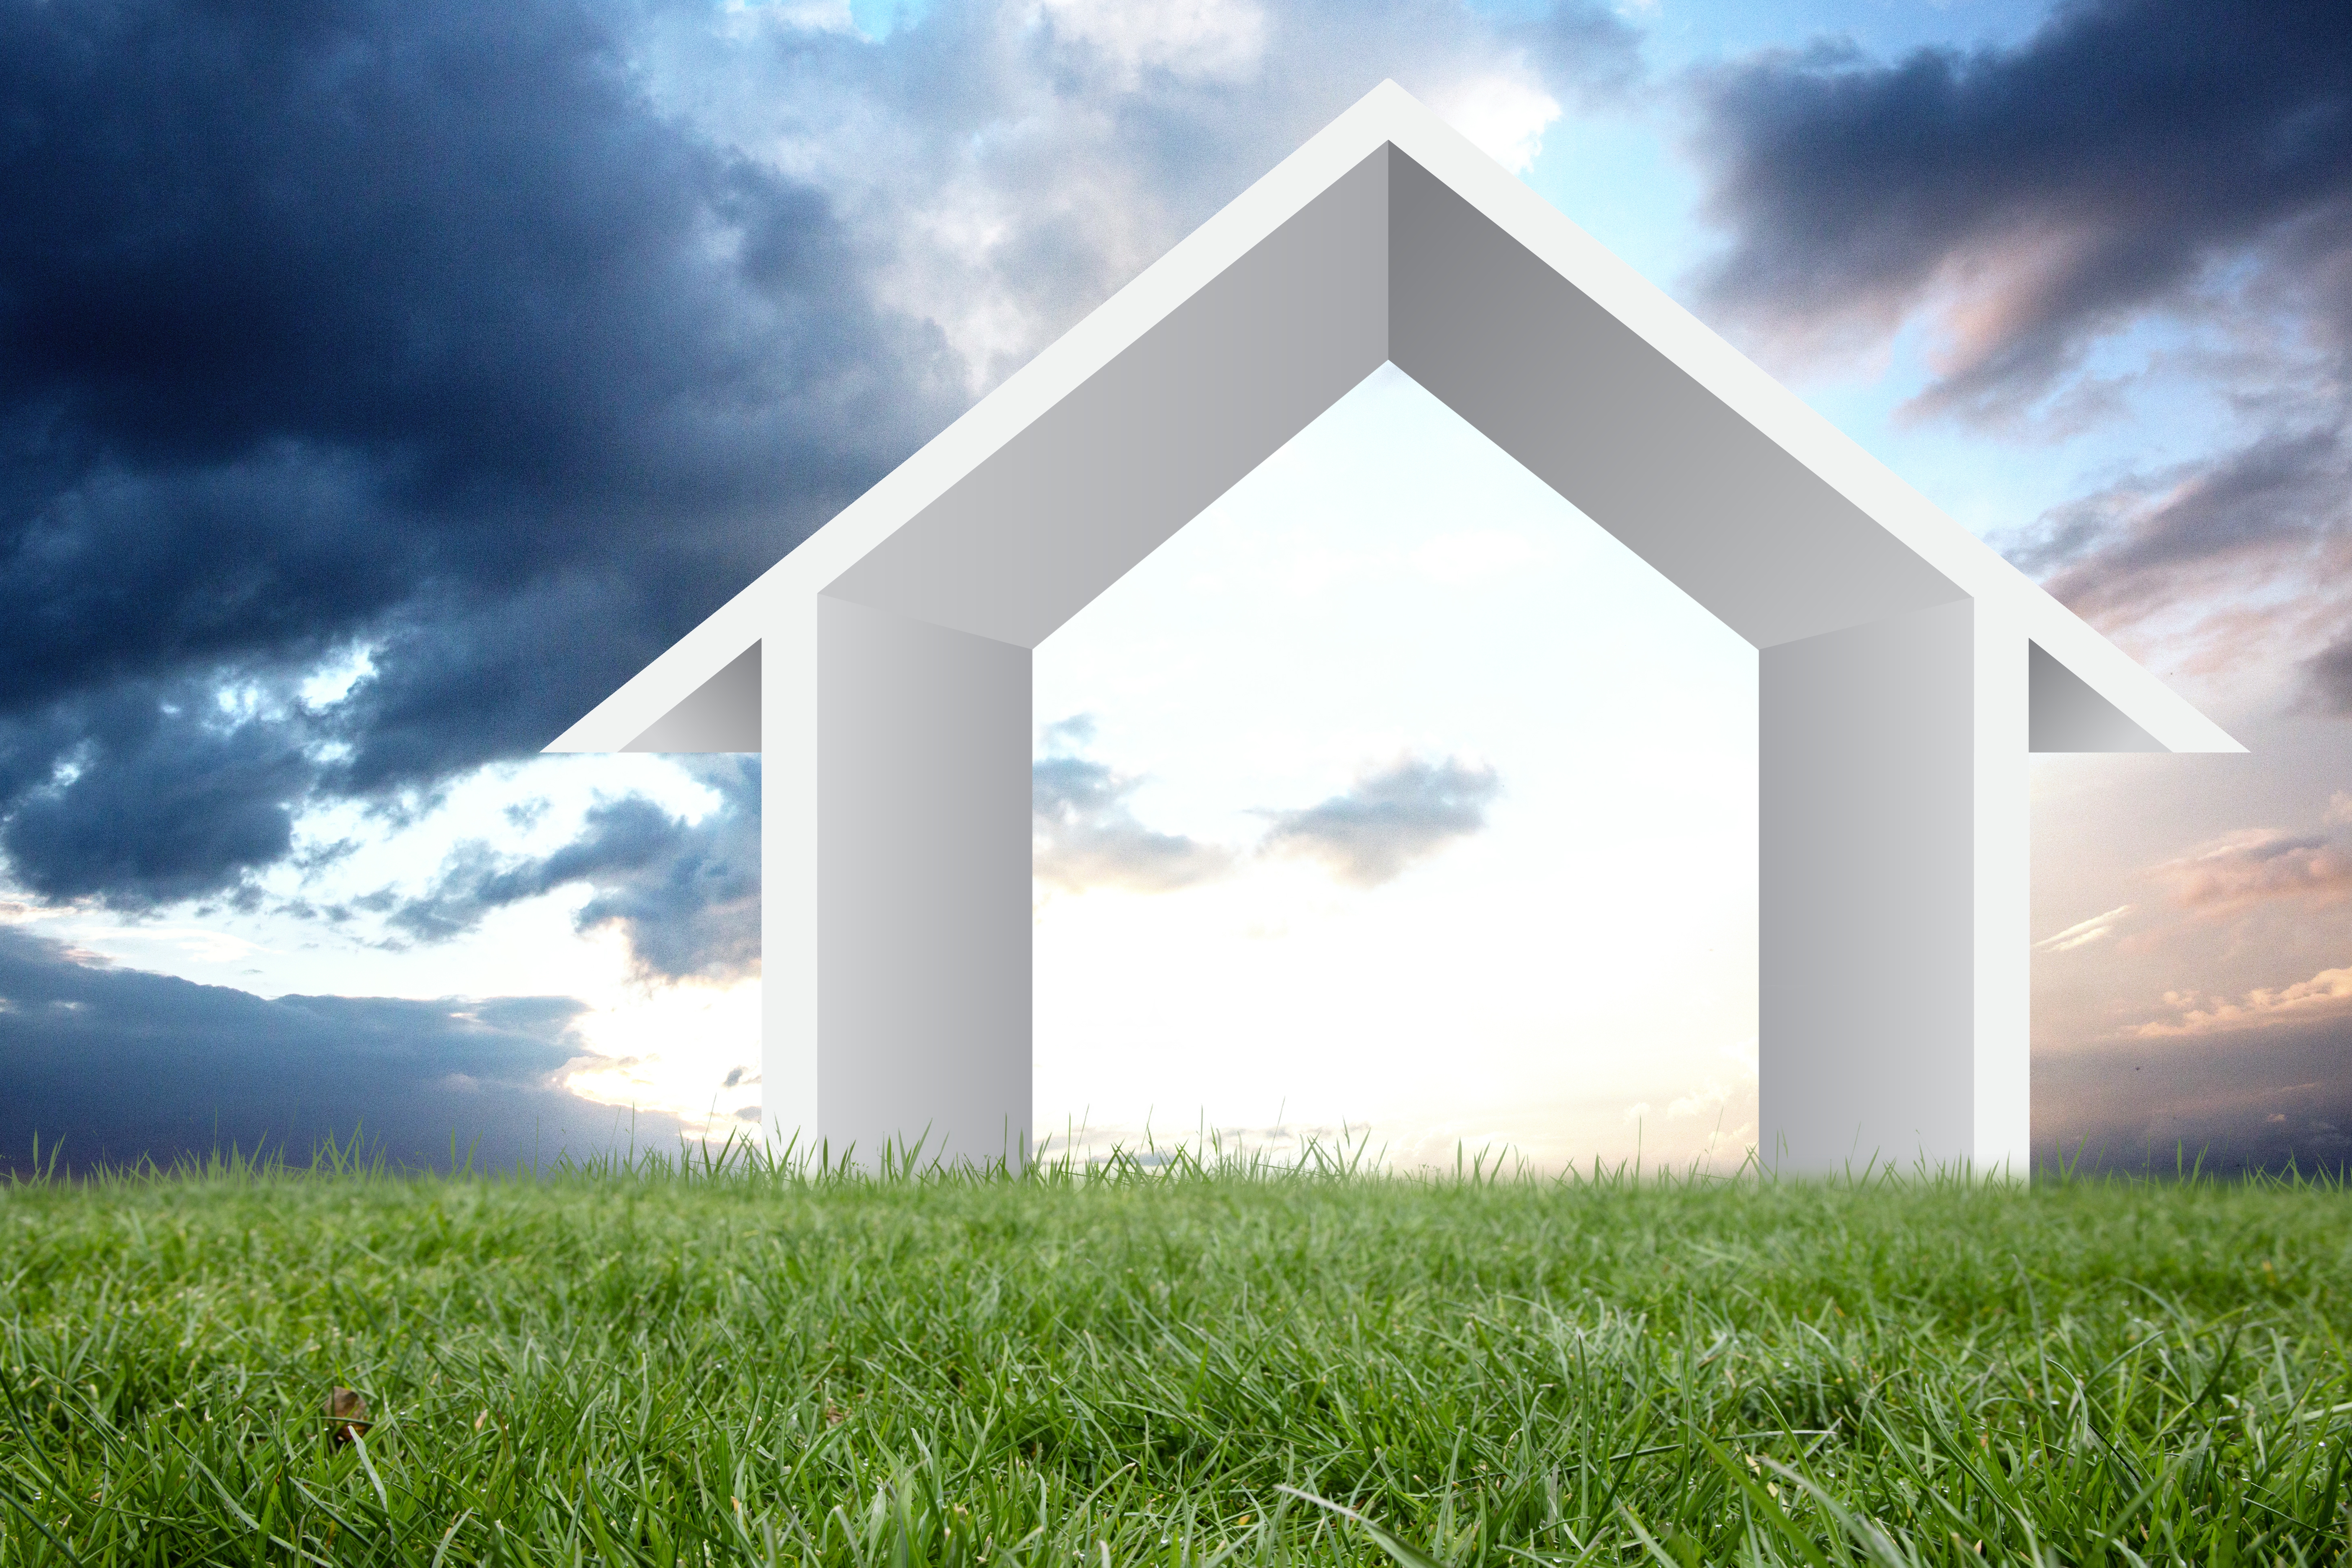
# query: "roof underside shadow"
x,y
1391,264
2068,715
722,715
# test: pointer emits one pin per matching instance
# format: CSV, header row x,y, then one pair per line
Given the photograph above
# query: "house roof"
x,y
1388,236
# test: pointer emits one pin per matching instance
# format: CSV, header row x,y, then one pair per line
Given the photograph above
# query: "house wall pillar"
x,y
912,1021
2003,913
788,888
1868,1039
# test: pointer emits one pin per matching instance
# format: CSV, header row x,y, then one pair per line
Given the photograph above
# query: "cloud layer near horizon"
x,y
106,1066
2259,1101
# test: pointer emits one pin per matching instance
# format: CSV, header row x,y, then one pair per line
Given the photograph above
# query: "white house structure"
x,y
1905,670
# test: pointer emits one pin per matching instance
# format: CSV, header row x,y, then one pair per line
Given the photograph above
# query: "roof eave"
x,y
1388,115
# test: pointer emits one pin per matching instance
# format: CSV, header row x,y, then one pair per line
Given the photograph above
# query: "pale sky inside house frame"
x,y
1577,977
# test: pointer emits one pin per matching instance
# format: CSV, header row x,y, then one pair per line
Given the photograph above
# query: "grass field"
x,y
681,1365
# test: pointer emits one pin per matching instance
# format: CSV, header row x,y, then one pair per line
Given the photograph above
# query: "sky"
x,y
381,384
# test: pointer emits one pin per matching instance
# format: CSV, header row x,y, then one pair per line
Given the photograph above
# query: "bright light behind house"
x,y
1394,794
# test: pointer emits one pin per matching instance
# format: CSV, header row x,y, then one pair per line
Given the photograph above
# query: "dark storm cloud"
x,y
1085,834
414,325
1389,818
467,677
2111,162
2151,540
146,795
491,339
2330,670
2253,1099
685,895
123,1065
2134,161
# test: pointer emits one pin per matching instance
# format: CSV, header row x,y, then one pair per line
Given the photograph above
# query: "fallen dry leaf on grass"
x,y
349,1413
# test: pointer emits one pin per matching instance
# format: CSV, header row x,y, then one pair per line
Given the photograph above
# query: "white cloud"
x,y
1206,40
2325,995
2256,864
333,681
1506,115
742,18
1004,165
2082,933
